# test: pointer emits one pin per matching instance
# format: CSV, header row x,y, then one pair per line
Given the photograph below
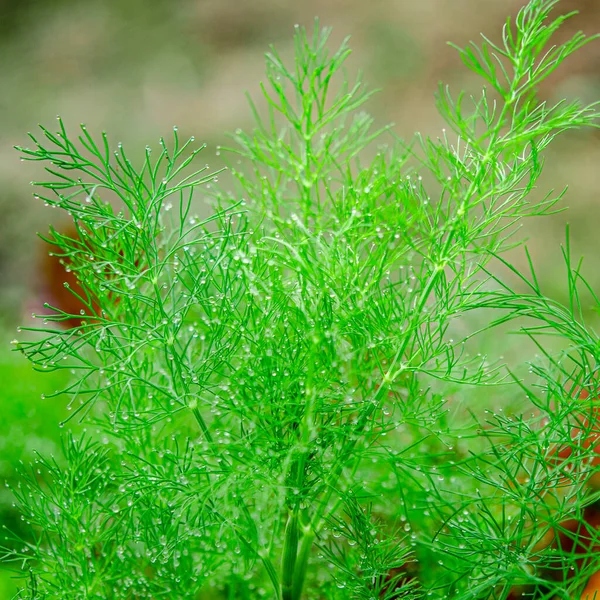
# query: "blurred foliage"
x,y
30,425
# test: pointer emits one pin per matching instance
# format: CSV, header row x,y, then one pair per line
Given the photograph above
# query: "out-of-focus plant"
x,y
267,392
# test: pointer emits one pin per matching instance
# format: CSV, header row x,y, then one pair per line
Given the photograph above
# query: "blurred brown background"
x,y
137,67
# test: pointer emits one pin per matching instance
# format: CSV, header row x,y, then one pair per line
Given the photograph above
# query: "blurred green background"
x,y
138,67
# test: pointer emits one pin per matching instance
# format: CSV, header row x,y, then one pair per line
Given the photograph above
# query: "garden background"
x,y
138,67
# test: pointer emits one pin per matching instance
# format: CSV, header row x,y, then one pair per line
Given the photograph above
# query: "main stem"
x,y
293,562
289,556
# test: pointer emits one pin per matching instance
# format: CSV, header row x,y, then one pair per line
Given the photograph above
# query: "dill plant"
x,y
267,396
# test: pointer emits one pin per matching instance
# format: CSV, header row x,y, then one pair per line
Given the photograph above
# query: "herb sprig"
x,y
269,394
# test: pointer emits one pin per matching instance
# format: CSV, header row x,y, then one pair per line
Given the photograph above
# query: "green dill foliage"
x,y
270,398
